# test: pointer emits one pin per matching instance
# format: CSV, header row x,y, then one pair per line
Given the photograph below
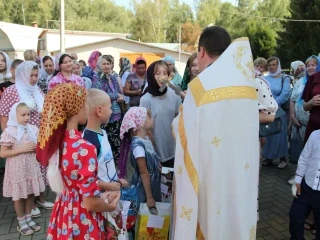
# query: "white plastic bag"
x,y
54,174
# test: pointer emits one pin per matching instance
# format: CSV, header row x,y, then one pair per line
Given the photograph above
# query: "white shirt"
x,y
309,162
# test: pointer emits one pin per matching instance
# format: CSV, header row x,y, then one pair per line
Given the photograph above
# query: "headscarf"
x,y
153,87
187,73
7,74
169,59
295,66
43,73
29,94
134,118
306,78
276,73
125,66
12,122
93,59
62,102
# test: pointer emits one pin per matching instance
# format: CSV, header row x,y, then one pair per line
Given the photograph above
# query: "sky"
x,y
190,2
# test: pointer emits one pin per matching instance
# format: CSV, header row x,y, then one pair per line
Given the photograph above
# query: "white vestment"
x,y
217,152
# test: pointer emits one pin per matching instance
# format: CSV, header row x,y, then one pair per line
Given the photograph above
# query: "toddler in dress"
x,y
22,180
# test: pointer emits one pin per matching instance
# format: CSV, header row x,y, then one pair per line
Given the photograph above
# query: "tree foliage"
x,y
300,39
160,21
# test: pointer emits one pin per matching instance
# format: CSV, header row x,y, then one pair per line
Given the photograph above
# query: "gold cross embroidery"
x,y
186,213
179,170
216,141
247,166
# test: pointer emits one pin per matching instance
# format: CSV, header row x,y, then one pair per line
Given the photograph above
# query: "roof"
x,y
156,45
172,46
87,33
21,37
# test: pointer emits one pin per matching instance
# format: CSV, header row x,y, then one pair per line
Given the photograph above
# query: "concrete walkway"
x,y
275,201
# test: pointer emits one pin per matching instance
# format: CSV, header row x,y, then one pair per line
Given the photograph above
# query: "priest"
x,y
217,145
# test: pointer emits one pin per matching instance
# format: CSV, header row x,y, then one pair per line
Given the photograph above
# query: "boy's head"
x,y
99,105
15,63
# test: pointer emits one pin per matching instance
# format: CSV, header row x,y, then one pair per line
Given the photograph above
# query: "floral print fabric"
x,y
59,78
78,167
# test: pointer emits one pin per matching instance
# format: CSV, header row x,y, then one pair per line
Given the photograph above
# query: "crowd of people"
x,y
73,125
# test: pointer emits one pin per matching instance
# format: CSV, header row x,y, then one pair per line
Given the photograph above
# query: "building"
x,y
15,39
122,47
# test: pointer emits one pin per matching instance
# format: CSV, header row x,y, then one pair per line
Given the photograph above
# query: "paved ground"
x,y
275,200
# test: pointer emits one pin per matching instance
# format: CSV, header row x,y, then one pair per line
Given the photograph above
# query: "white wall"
x,y
115,47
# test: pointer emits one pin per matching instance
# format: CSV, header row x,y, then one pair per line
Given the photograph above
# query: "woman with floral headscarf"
x,y
5,64
91,70
63,72
108,83
26,90
298,70
72,170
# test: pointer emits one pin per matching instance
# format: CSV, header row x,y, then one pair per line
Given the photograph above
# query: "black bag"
x,y
296,147
286,105
275,127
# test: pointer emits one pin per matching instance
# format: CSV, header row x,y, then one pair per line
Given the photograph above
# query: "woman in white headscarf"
x,y
280,85
46,73
5,64
298,70
26,90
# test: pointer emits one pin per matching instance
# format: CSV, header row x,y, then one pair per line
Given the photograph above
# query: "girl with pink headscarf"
x,y
147,178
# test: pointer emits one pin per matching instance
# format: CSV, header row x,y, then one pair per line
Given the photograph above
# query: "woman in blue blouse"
x,y
277,145
111,84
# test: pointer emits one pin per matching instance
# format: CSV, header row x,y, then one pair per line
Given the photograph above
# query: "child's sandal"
x,y
25,230
34,226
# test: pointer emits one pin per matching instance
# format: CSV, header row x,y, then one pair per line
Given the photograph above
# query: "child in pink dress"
x,y
23,179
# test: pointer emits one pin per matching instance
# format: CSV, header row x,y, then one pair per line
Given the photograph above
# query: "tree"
x,y
190,33
150,20
208,11
178,15
300,39
262,39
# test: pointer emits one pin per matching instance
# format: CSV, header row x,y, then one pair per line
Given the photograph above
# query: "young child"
x,y
99,113
13,67
23,179
307,196
147,178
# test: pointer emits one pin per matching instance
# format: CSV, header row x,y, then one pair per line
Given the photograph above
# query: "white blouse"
x,y
267,103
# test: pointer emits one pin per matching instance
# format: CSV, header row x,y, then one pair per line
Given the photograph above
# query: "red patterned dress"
x,y
69,218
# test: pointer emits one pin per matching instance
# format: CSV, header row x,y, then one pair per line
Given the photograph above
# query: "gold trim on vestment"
x,y
199,234
192,172
201,96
